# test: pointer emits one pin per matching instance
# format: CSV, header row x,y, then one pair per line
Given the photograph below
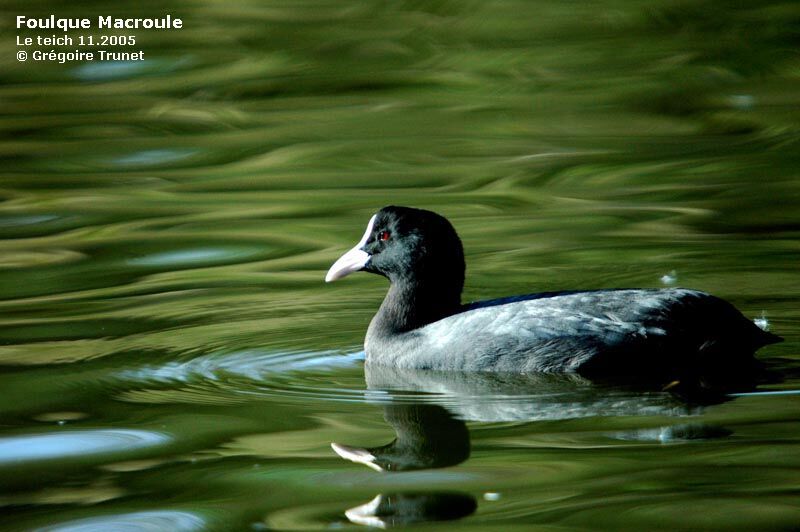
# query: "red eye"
x,y
384,236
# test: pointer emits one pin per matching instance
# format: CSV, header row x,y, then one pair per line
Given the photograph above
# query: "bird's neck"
x,y
408,306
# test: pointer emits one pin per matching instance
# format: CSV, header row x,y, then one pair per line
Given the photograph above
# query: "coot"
x,y
422,323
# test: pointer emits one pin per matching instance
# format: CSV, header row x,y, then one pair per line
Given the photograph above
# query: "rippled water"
x,y
171,359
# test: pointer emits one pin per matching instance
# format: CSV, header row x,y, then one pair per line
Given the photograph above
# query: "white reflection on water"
x,y
190,256
16,221
108,70
133,522
151,157
252,364
71,444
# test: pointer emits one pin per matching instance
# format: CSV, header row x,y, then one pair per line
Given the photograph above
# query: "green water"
x,y
171,357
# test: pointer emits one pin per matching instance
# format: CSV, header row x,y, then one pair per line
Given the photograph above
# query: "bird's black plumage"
x,y
423,324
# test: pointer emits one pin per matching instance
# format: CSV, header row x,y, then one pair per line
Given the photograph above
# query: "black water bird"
x,y
669,333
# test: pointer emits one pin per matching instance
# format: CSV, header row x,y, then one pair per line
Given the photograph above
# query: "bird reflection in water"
x,y
431,432
399,509
427,437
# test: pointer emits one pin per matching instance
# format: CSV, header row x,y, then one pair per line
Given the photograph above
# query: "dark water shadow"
x,y
401,509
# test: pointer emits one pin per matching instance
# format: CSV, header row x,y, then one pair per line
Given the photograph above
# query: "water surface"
x,y
171,359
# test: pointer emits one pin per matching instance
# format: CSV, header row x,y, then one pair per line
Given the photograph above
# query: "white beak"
x,y
353,260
